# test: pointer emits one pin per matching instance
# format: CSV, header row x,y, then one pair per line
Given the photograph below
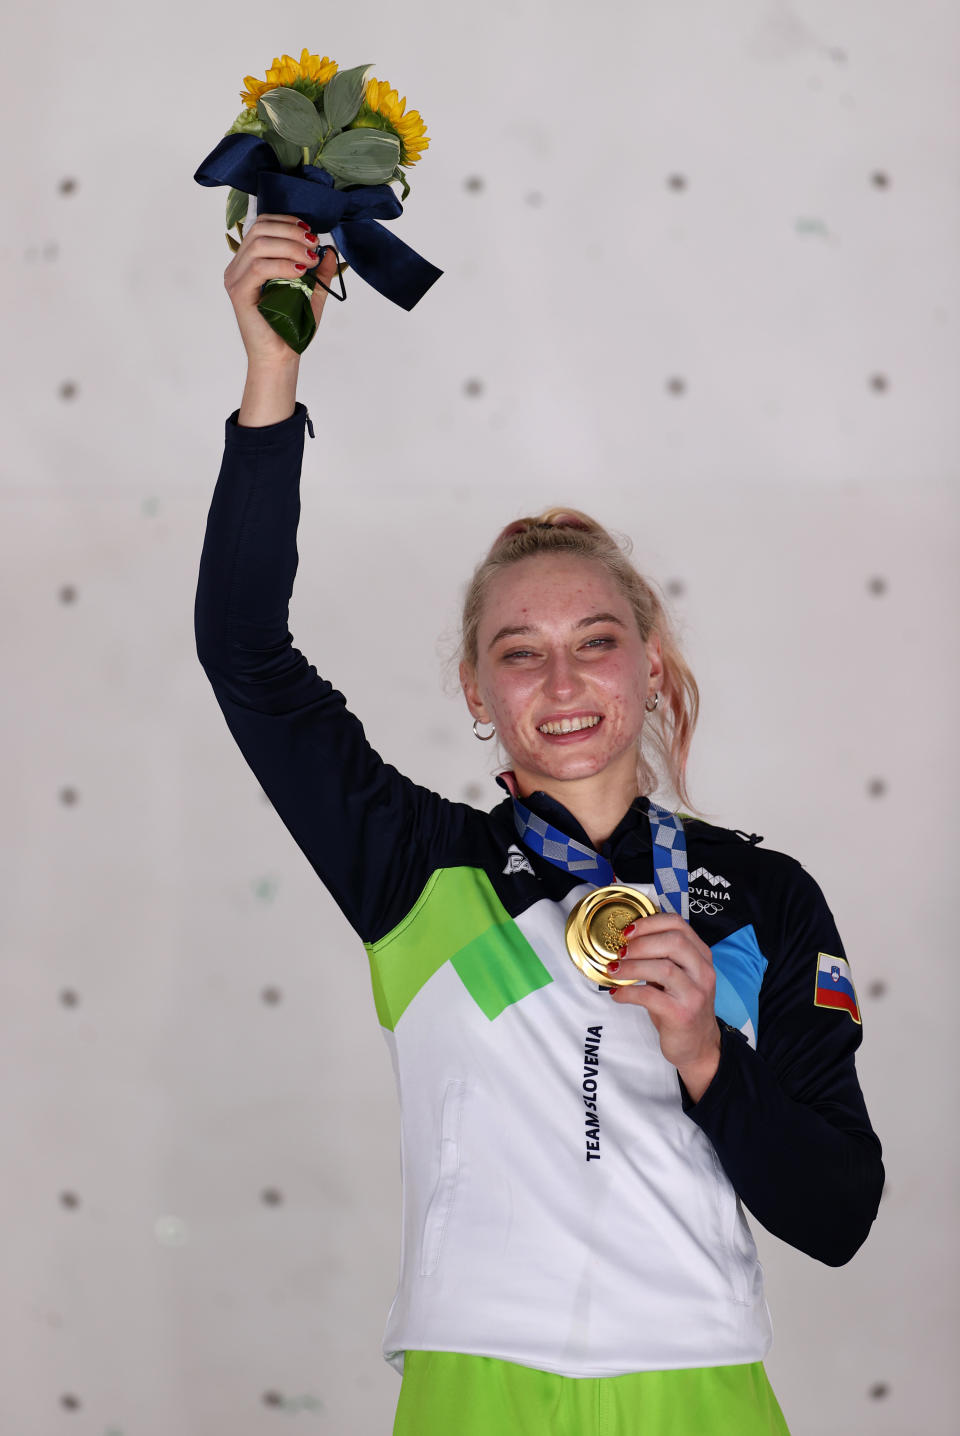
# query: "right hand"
x,y
270,249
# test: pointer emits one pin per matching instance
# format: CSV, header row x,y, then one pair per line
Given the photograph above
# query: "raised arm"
x,y
371,834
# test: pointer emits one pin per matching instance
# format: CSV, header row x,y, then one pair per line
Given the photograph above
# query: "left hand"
x,y
677,968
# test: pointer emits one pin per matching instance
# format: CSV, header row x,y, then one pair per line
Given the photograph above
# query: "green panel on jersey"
x,y
457,917
499,968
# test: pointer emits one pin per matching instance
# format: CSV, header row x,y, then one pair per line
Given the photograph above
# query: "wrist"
x,y
275,372
697,1076
277,360
270,391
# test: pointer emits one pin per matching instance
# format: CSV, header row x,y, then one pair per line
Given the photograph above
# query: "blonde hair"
x,y
568,531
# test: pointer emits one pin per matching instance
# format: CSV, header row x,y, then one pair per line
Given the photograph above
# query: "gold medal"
x,y
595,926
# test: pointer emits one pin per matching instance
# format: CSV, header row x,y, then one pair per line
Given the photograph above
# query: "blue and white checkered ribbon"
x,y
669,854
669,860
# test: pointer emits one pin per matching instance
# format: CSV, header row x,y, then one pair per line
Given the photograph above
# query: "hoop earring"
x,y
484,737
652,707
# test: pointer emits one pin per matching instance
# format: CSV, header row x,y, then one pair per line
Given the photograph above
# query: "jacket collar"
x,y
629,837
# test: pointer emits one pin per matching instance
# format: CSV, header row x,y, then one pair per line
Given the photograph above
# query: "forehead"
x,y
549,590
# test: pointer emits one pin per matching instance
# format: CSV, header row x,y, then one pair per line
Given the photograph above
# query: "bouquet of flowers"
x,y
324,144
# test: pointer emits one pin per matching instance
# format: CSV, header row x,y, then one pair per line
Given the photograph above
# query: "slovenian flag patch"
x,y
835,985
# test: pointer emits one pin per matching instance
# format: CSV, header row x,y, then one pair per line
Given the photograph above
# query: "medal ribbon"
x,y
669,853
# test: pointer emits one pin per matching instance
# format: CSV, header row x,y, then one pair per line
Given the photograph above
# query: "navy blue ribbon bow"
x,y
387,264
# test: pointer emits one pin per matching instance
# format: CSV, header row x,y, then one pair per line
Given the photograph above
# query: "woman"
x,y
575,1258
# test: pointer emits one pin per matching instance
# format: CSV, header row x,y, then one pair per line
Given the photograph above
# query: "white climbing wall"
x,y
700,279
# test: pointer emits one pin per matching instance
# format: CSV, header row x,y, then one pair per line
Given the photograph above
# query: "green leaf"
x,y
286,152
305,284
248,122
292,115
399,174
361,156
289,313
343,96
237,202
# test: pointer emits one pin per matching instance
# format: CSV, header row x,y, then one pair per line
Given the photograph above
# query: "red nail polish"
x,y
629,930
311,236
303,224
613,967
622,952
299,266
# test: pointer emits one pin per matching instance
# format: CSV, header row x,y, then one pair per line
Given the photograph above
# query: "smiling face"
x,y
563,673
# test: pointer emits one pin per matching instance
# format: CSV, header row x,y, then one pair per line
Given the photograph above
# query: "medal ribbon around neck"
x,y
669,853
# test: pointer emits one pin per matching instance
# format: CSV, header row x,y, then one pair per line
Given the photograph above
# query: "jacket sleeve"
x,y
788,1121
370,834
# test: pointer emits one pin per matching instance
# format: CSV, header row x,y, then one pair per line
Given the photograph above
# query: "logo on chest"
x,y
710,893
516,862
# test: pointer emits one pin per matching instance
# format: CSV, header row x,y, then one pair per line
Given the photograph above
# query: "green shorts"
x,y
447,1394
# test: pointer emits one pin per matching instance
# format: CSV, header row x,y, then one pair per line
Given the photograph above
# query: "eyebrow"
x,y
511,632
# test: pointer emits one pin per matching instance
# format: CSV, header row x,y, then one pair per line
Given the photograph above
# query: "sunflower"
x,y
309,77
382,109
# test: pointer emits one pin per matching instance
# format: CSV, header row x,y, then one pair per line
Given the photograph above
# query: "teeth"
x,y
570,725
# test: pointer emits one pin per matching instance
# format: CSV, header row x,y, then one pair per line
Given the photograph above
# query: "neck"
x,y
598,802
